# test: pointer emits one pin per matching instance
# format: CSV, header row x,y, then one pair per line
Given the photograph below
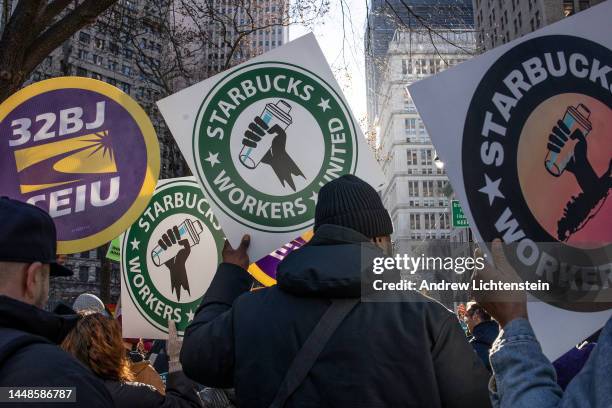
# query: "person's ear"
x,y
34,276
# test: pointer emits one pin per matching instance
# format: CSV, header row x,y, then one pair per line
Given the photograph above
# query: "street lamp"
x,y
439,163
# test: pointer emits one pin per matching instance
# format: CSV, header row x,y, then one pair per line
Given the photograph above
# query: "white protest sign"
x,y
264,136
526,137
168,259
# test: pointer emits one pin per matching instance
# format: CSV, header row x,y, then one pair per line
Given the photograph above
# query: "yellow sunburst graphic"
x,y
92,154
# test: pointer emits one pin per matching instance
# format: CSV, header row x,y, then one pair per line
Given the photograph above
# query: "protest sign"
x,y
526,141
114,250
264,136
264,270
83,151
168,259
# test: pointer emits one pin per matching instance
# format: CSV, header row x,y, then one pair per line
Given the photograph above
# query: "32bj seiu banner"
x,y
83,151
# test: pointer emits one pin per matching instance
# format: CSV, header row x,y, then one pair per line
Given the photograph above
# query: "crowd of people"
x,y
309,341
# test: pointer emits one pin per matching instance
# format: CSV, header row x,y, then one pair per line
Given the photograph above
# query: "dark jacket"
x,y
180,392
482,339
384,354
30,357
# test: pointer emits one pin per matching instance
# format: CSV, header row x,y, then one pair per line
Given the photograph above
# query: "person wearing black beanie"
x,y
310,340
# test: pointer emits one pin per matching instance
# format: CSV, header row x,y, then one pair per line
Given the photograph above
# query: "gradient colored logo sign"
x,y
264,270
83,151
168,259
268,136
540,124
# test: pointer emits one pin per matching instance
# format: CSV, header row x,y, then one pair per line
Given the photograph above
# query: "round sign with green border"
x,y
169,256
267,137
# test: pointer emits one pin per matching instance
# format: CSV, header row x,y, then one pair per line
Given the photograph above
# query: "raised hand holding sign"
x,y
265,142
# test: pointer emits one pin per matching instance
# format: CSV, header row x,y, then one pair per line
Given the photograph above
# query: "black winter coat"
x,y
30,357
482,339
180,392
384,354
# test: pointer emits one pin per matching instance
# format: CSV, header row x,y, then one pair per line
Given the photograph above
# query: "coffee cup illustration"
x,y
574,118
189,230
273,114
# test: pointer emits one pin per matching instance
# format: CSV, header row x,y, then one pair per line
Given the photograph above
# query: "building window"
x,y
413,189
432,66
83,273
430,221
568,8
113,47
96,59
426,157
538,20
125,87
583,4
99,43
84,55
410,126
444,221
515,27
84,37
415,222
412,157
428,188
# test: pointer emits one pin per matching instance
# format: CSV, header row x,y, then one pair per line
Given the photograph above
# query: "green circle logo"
x,y
267,137
169,256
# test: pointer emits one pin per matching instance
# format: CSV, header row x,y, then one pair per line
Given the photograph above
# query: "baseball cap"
x,y
27,234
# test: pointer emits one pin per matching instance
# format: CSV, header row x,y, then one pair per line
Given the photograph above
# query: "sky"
x,y
348,66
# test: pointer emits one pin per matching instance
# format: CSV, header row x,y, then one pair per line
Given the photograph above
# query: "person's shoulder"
x,y
43,356
134,394
45,364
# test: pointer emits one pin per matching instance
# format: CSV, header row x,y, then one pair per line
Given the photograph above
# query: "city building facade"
x,y
387,16
416,190
500,21
239,31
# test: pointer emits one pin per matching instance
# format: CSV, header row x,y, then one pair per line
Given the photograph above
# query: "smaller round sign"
x,y
170,255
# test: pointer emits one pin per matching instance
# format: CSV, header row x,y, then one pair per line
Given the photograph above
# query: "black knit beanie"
x,y
351,202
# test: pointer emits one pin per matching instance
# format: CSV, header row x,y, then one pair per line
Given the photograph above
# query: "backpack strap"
x,y
12,340
309,352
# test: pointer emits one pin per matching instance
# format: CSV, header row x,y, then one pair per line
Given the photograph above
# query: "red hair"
x,y
96,342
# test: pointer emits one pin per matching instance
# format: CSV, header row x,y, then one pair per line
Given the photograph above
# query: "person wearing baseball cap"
x,y
29,355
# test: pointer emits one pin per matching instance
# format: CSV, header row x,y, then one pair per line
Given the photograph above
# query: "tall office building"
x,y
415,194
386,16
500,21
269,18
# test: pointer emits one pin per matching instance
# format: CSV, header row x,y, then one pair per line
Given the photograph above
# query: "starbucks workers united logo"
x,y
267,137
171,253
